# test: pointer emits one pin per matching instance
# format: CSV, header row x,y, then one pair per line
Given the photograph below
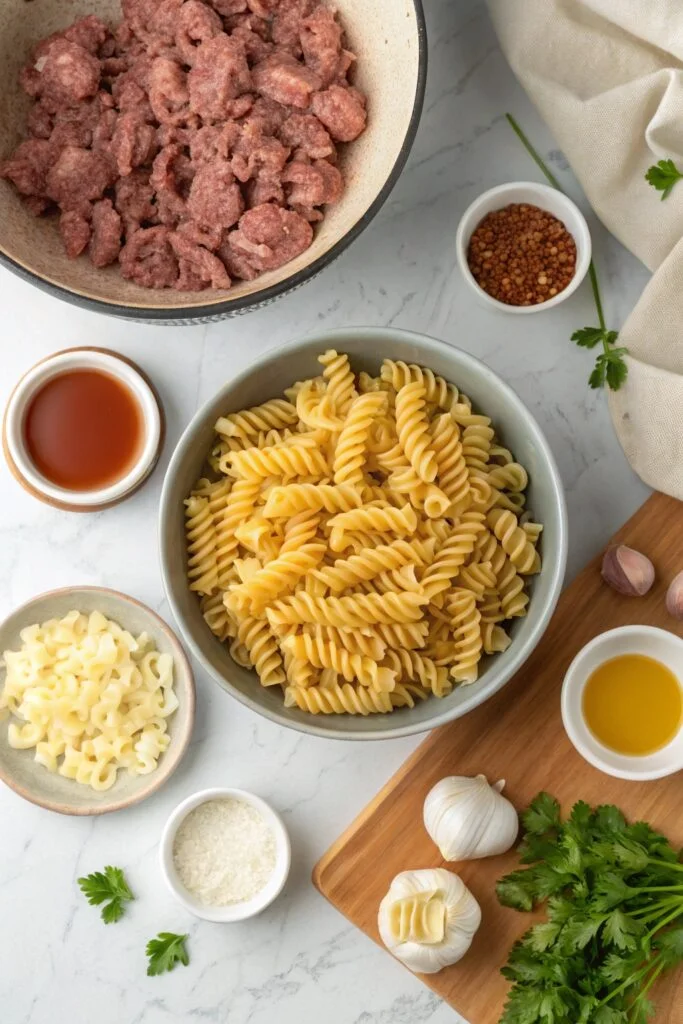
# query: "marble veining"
x,y
300,961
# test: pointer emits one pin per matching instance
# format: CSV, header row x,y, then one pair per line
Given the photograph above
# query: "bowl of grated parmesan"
x,y
225,854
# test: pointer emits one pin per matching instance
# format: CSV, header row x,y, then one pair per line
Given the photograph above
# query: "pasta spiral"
x,y
381,519
437,390
513,539
340,380
354,612
412,667
468,640
250,422
262,649
202,569
350,571
452,472
413,431
338,700
284,459
325,654
349,456
278,576
453,553
294,498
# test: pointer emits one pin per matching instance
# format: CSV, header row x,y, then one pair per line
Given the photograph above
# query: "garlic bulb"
x,y
428,919
468,819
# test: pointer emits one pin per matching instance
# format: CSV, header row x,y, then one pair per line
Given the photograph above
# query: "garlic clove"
x,y
674,597
627,571
468,819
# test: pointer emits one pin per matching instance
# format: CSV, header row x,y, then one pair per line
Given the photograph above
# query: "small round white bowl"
x,y
233,911
648,640
34,380
546,198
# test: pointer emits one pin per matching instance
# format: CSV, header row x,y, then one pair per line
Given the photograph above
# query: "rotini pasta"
x,y
362,542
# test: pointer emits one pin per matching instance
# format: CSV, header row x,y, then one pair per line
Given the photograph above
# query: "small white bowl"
x,y
233,911
654,643
546,198
13,428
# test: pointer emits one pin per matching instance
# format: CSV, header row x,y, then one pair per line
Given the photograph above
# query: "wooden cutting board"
x,y
517,736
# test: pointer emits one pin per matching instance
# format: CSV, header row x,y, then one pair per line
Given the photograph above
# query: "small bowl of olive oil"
x,y
622,702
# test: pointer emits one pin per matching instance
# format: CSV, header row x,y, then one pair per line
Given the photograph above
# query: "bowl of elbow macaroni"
x,y
96,701
363,535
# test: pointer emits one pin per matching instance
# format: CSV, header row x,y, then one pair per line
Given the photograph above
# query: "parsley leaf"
x,y
542,815
165,952
588,337
663,176
108,887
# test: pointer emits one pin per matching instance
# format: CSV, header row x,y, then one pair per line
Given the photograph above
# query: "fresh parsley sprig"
x,y
663,176
610,366
614,895
108,887
164,952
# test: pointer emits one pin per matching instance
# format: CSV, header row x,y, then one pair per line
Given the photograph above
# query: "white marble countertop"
x,y
301,961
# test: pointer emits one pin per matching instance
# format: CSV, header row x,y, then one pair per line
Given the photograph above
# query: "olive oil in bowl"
x,y
633,704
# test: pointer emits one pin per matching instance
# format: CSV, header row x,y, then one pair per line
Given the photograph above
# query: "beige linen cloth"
x,y
607,76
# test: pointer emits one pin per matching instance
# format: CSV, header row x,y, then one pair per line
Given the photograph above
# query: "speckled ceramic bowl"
x,y
390,41
367,347
27,777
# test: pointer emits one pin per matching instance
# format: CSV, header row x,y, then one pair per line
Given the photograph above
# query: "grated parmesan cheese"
x,y
224,852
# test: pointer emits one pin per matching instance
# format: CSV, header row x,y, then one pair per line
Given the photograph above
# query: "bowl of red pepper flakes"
x,y
523,247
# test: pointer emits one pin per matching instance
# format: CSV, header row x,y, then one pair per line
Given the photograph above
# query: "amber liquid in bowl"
x,y
633,704
83,430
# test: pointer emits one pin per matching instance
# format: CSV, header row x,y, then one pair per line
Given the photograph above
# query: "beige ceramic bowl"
x,y
390,42
31,780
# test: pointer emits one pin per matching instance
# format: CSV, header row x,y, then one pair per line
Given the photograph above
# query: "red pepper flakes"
x,y
522,255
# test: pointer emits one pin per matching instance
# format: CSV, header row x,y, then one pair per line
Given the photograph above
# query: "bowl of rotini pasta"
x,y
364,534
96,701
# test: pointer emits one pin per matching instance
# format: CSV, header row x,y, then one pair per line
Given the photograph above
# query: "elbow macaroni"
x,y
366,542
90,698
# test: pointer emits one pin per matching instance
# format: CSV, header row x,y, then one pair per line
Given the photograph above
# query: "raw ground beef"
x,y
195,143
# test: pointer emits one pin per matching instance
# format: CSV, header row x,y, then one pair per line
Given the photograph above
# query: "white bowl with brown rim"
x,y
32,780
534,194
143,460
390,42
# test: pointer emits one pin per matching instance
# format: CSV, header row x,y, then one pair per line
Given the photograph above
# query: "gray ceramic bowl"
x,y
31,780
391,44
367,347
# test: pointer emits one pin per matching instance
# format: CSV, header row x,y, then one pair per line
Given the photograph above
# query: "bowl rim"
x,y
159,776
576,678
182,315
327,339
231,913
542,190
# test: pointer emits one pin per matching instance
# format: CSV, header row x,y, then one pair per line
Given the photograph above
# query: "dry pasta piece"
x,y
250,422
413,431
278,576
256,637
412,667
301,459
510,477
299,530
294,498
325,654
452,472
352,640
477,577
476,445
513,539
356,612
377,518
216,616
494,638
347,572
407,694
510,588
340,380
453,554
316,409
395,580
349,455
338,700
437,390
467,648
238,508
202,568
410,635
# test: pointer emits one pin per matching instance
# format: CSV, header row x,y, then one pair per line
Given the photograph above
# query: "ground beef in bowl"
x,y
195,143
